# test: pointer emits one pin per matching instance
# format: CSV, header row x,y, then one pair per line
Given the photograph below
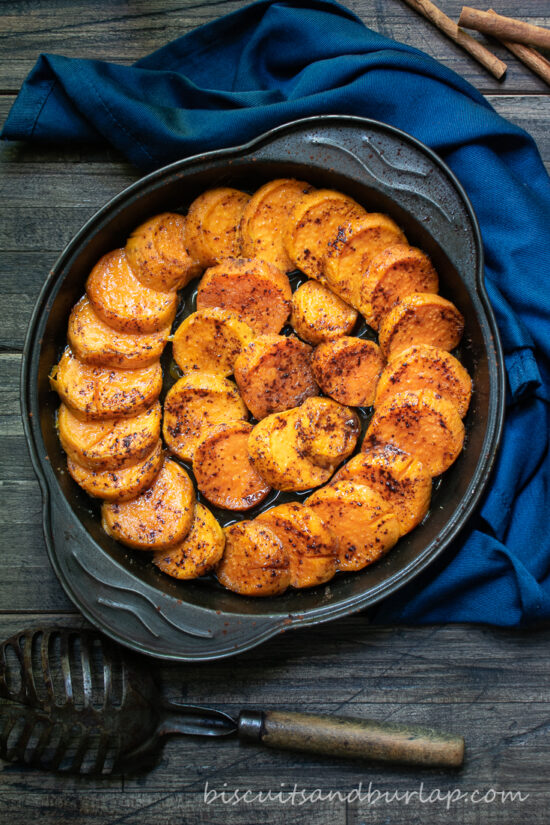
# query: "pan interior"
x,y
174,192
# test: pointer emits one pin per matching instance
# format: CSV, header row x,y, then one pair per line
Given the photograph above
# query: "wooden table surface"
x,y
490,685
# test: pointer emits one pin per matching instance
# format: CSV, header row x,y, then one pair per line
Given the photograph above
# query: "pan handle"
x,y
352,738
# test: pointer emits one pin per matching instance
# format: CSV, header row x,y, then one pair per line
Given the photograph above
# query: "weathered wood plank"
x,y
408,675
122,34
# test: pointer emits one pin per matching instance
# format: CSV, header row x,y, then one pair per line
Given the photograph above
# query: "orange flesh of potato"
x,y
159,517
276,451
210,340
425,367
265,213
195,404
360,519
254,562
123,302
99,392
328,431
420,318
111,444
121,484
213,225
157,253
316,220
352,251
348,370
397,271
274,373
198,553
319,315
311,547
257,292
223,470
95,342
399,478
420,423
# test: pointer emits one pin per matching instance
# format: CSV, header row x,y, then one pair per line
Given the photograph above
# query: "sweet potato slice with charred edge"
x,y
420,423
159,517
425,367
310,545
360,519
316,220
195,404
319,315
265,213
213,225
399,478
352,250
257,292
157,253
95,342
99,392
394,273
277,452
348,370
121,484
420,318
274,373
123,302
111,444
254,562
198,553
210,340
328,431
223,470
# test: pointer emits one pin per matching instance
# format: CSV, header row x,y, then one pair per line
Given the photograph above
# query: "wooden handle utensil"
x,y
352,738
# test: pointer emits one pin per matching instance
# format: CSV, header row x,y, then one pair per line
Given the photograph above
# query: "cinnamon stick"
x,y
462,38
531,57
504,28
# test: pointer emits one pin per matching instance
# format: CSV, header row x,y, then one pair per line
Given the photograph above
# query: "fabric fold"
x,y
279,60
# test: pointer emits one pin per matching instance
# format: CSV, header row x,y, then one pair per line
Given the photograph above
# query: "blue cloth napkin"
x,y
275,61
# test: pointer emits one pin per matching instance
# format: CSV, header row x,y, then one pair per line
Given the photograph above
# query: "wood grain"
x,y
489,684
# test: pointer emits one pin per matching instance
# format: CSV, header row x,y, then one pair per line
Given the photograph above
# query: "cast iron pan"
x,y
119,590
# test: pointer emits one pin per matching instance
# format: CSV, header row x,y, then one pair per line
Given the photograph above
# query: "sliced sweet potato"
x,y
213,225
310,545
195,404
159,517
352,251
254,562
257,292
276,451
122,484
265,213
319,315
328,431
100,392
198,553
157,253
123,302
399,478
210,340
348,369
95,342
223,470
316,220
425,367
360,519
420,318
274,373
420,423
394,273
111,444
